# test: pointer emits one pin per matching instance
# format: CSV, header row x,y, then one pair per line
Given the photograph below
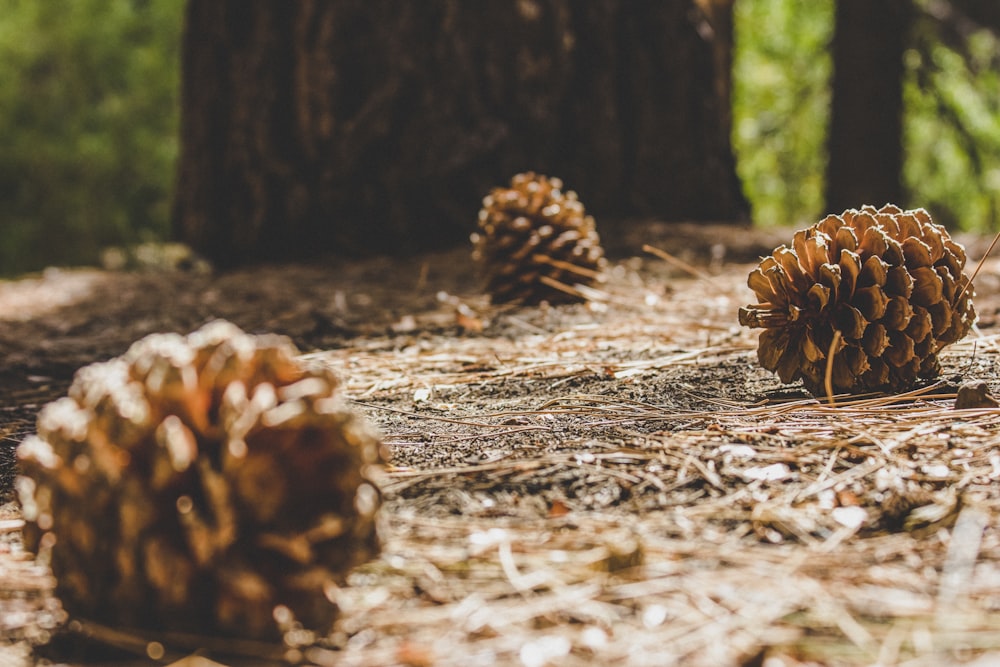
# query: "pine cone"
x,y
889,281
197,483
535,242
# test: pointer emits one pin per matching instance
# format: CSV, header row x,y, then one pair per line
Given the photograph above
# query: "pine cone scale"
x,y
875,340
850,322
871,302
899,282
917,253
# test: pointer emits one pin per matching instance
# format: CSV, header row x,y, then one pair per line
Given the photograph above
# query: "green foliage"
x,y
781,96
88,126
952,124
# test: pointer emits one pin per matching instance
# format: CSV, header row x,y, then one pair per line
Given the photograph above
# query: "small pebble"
x,y
975,394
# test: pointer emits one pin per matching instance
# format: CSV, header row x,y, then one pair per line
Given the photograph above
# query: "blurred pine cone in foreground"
x,y
197,483
535,242
889,281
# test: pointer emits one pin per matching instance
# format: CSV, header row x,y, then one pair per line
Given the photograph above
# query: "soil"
x,y
548,424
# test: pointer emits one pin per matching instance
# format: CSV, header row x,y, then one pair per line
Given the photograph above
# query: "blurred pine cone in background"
x,y
889,281
535,242
197,483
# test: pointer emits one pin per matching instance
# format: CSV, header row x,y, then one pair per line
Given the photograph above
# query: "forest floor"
x,y
616,482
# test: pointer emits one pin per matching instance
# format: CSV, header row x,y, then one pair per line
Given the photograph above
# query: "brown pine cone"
x,y
889,281
535,242
197,483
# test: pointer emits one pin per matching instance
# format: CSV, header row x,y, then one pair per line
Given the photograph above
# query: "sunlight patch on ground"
x,y
26,298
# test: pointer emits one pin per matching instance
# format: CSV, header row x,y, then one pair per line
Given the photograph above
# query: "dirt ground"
x,y
615,482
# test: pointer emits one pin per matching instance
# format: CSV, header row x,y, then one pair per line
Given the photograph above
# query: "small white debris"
x,y
406,324
594,637
488,538
851,516
654,615
772,473
936,470
738,451
544,650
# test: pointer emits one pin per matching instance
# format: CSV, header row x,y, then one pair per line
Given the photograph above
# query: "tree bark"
x,y
984,12
375,125
865,144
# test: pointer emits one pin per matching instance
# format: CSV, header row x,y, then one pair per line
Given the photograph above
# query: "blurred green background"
x,y
951,134
88,126
89,117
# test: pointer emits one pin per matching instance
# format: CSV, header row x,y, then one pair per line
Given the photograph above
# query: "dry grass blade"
x,y
828,375
982,260
561,286
681,264
568,266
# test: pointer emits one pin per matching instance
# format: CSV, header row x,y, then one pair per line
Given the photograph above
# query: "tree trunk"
x,y
376,125
984,12
865,144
